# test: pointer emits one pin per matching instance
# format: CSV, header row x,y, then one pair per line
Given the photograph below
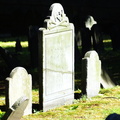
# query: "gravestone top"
x,y
91,54
17,71
57,17
90,22
17,109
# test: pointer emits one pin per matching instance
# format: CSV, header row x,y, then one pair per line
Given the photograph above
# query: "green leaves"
x,y
1,114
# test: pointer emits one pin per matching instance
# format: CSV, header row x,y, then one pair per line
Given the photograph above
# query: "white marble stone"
x,y
56,60
19,84
91,73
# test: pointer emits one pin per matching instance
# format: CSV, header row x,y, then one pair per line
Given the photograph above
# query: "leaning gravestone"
x,y
91,74
17,110
106,80
56,60
19,84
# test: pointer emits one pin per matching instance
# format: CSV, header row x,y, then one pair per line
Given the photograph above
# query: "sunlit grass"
x,y
1,114
96,108
12,44
9,45
2,100
109,40
35,96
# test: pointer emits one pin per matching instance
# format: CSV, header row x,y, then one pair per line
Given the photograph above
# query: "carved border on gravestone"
x,y
57,17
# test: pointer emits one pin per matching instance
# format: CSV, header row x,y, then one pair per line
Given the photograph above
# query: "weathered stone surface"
x,y
17,110
91,73
56,60
19,84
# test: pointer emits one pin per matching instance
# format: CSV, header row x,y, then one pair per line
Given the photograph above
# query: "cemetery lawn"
x,y
96,108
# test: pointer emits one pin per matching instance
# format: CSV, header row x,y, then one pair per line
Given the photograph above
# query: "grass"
x,y
12,44
96,108
22,58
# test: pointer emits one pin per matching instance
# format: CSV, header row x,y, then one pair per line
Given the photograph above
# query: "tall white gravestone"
x,y
19,84
56,60
91,73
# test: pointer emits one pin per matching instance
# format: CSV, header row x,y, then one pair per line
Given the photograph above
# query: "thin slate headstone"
x,y
91,74
17,110
56,60
19,84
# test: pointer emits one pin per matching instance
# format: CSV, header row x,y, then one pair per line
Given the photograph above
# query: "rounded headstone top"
x,y
18,70
92,54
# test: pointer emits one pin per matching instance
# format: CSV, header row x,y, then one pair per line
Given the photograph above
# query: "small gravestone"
x,y
17,109
19,84
91,73
56,60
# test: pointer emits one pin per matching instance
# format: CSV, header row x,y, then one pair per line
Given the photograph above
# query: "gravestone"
x,y
89,22
106,80
97,37
33,45
86,40
19,84
17,109
91,73
56,59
